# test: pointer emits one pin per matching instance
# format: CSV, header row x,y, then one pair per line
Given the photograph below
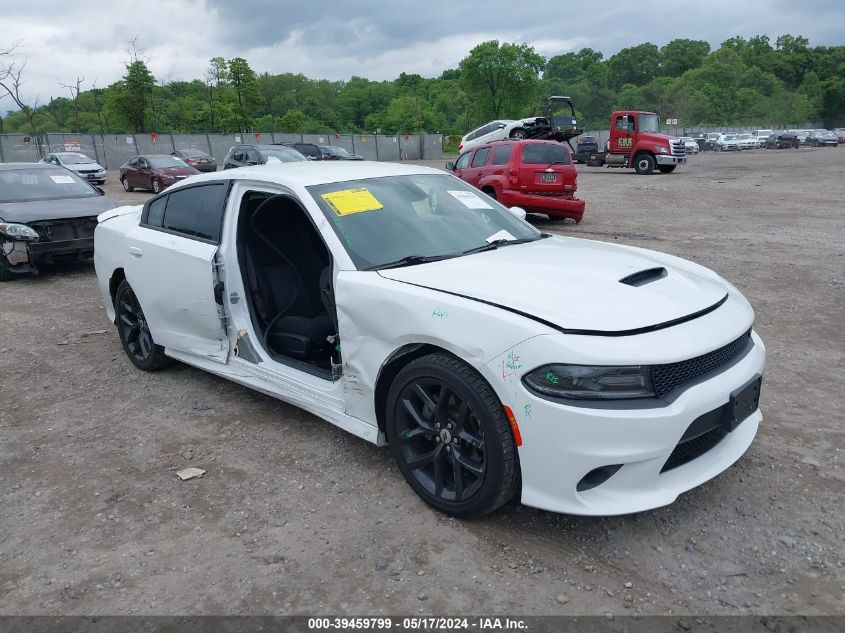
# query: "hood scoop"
x,y
644,277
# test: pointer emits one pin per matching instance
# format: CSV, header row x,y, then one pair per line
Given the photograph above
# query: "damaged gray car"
x,y
47,214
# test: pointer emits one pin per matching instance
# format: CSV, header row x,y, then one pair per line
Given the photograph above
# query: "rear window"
x,y
502,154
545,153
480,157
196,211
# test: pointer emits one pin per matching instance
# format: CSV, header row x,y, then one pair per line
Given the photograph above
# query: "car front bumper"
x,y
668,159
562,443
553,206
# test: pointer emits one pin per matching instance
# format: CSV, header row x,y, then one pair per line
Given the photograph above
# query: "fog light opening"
x,y
597,477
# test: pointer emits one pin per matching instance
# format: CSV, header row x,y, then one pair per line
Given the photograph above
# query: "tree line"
x,y
743,81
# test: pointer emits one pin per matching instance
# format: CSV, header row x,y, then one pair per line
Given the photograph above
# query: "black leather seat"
x,y
286,263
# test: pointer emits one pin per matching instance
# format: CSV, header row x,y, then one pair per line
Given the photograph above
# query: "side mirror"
x,y
517,212
502,126
450,165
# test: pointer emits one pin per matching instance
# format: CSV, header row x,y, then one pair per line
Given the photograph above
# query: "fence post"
x,y
208,142
2,157
375,137
352,138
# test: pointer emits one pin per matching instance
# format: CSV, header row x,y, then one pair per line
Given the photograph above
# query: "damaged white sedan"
x,y
406,307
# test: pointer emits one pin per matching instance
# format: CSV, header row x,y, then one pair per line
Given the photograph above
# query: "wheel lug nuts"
x,y
437,438
437,425
449,426
455,441
448,449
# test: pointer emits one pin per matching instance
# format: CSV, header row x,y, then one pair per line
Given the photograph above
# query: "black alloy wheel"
x,y
449,435
134,331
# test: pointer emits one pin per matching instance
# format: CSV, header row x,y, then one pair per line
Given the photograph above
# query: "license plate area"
x,y
545,177
744,401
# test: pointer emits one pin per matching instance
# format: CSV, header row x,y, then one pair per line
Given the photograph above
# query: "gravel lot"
x,y
295,516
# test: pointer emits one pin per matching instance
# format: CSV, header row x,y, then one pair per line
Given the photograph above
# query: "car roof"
x,y
13,166
153,156
307,173
68,153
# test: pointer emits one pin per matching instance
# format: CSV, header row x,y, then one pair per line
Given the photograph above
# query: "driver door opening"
x,y
287,275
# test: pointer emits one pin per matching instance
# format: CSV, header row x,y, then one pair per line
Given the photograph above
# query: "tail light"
x,y
460,147
191,161
514,176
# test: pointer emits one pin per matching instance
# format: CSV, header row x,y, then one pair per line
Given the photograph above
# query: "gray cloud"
x,y
335,39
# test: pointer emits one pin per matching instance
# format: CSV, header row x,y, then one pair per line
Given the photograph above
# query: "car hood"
x,y
572,284
177,171
84,167
54,209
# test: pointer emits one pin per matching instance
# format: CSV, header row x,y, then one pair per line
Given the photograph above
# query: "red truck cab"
x,y
538,176
636,141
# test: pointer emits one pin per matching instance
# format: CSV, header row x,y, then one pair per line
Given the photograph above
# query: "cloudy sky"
x,y
335,39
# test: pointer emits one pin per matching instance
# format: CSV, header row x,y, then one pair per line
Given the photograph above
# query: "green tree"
x,y
681,55
502,79
636,65
133,93
245,89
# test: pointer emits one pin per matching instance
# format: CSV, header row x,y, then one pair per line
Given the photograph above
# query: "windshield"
x,y
163,162
745,136
649,123
75,159
730,137
383,220
284,155
27,185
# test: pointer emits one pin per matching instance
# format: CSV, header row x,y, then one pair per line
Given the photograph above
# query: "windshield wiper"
x,y
410,260
557,162
491,246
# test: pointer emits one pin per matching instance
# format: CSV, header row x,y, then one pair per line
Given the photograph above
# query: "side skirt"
x,y
293,392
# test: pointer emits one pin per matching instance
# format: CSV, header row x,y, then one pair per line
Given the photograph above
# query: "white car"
x,y
691,144
406,307
79,163
762,135
748,141
499,131
727,143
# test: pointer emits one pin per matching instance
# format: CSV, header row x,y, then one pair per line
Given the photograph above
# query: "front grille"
x,y
688,450
63,230
672,375
679,148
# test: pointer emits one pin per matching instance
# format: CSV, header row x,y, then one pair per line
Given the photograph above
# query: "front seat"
x,y
295,260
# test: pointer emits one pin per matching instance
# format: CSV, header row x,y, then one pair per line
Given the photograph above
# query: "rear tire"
x,y
156,186
5,275
644,164
490,192
518,134
666,169
134,332
450,437
126,185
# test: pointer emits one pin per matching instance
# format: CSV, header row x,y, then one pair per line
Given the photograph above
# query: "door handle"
x,y
135,251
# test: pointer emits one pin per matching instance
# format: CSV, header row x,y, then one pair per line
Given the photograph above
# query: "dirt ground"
x,y
294,516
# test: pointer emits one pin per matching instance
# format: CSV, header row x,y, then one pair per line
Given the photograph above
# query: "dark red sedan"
x,y
154,171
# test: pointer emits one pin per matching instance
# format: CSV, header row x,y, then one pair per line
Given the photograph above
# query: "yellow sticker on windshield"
x,y
351,201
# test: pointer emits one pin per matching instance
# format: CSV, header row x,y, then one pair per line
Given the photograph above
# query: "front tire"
x,y
666,169
644,164
450,437
156,186
134,332
126,185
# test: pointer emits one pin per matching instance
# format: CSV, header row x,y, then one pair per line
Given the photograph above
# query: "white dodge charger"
x,y
408,308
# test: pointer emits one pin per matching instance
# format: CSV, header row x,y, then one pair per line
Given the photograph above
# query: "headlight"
x,y
660,149
590,382
18,231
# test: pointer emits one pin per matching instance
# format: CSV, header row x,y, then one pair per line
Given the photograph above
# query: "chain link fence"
x,y
112,150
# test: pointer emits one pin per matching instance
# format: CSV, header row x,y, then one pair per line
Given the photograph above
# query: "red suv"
x,y
536,175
